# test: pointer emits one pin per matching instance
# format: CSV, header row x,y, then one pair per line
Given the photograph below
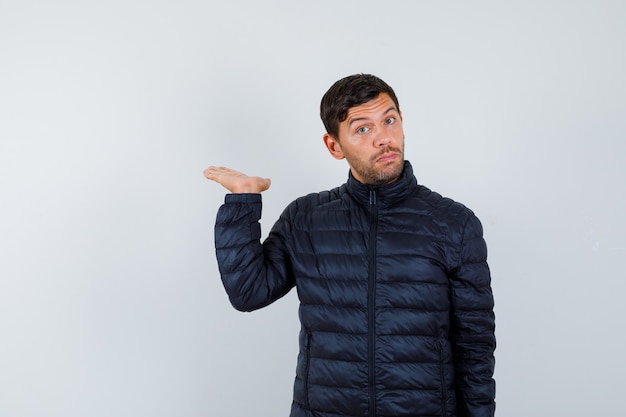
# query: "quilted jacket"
x,y
396,307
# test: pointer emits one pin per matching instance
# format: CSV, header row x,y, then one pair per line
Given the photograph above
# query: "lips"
x,y
387,157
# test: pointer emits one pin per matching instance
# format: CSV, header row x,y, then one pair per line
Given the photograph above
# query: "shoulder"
x,y
440,204
447,210
322,200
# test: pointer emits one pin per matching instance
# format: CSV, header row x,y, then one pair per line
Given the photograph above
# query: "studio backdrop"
x,y
111,302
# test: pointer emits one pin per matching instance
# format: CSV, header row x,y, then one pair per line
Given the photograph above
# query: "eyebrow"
x,y
358,119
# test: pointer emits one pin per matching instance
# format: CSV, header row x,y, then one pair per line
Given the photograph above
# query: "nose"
x,y
382,140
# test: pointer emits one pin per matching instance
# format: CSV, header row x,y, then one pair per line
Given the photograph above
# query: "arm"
x,y
473,325
254,274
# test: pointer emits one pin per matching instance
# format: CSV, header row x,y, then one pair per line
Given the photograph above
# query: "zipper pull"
x,y
372,197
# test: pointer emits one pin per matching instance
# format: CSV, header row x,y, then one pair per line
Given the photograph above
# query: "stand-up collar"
x,y
385,194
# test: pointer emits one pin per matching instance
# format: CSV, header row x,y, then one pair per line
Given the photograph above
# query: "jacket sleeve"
x,y
254,274
473,325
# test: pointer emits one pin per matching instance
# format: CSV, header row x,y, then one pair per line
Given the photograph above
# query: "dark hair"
x,y
349,92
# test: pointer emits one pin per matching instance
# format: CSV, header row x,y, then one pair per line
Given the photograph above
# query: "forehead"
x,y
377,106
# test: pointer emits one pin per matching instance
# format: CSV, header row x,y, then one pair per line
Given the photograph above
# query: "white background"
x,y
110,298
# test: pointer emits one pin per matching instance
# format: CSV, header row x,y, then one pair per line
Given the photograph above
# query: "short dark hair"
x,y
349,92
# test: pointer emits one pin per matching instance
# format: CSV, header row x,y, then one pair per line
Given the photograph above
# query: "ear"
x,y
333,146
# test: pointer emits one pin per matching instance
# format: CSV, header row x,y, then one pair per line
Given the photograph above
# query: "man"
x,y
396,307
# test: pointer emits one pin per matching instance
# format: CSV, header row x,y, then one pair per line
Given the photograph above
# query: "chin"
x,y
392,173
387,177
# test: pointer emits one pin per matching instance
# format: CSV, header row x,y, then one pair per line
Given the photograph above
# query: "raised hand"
x,y
237,182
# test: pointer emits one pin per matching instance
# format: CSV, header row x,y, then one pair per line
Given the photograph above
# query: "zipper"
x,y
443,378
371,303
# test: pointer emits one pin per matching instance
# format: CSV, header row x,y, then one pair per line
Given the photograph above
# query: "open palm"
x,y
237,182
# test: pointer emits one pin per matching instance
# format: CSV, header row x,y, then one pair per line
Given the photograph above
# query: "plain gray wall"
x,y
110,298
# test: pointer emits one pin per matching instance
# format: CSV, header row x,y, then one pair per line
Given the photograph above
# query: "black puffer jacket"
x,y
396,304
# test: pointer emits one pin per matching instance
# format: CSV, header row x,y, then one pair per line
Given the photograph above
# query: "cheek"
x,y
399,134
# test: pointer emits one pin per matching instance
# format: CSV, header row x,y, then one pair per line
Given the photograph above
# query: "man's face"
x,y
371,139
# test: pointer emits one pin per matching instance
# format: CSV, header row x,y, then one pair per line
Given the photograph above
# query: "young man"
x,y
396,306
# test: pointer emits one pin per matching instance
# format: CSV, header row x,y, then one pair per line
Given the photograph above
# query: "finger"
x,y
210,173
265,183
213,172
230,171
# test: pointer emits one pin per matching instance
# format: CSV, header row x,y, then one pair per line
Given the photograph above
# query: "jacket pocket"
x,y
442,375
307,368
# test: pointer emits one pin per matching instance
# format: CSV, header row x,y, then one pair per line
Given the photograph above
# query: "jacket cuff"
x,y
242,198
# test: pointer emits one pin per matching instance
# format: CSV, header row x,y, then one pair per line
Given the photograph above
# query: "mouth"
x,y
387,157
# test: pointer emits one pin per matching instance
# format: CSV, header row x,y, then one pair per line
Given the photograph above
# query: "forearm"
x,y
474,345
254,274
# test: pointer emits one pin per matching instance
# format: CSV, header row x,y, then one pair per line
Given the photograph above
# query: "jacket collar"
x,y
384,194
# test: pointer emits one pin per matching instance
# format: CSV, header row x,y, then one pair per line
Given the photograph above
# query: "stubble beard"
x,y
386,175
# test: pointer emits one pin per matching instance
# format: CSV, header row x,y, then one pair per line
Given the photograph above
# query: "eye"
x,y
362,130
390,120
